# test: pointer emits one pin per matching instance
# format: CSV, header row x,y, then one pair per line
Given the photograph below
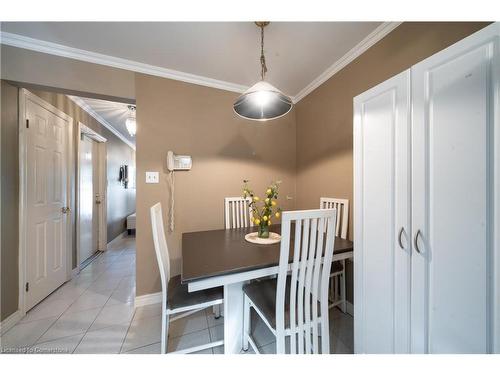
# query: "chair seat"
x,y
336,267
178,295
263,296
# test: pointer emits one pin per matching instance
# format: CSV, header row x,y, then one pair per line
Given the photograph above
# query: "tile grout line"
x,y
208,327
140,347
102,308
85,332
37,340
128,329
59,317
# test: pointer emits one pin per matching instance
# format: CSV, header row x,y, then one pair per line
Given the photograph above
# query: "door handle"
x,y
65,210
399,237
415,241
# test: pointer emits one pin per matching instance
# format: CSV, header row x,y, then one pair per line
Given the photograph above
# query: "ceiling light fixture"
x,y
130,123
262,101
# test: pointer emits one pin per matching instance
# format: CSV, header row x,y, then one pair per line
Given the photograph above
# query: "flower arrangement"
x,y
263,210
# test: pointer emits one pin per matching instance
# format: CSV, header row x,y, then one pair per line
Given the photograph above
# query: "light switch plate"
x,y
152,177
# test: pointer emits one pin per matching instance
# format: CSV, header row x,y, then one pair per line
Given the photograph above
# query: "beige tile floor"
x,y
94,313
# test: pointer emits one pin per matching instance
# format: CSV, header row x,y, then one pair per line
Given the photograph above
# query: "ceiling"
x,y
110,114
297,53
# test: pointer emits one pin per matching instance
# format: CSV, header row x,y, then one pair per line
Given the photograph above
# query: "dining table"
x,y
223,258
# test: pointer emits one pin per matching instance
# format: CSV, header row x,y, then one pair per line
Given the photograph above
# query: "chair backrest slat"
x,y
302,277
342,207
161,248
238,213
315,285
293,286
308,284
310,270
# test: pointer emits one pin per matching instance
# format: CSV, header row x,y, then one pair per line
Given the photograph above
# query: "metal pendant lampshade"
x,y
262,101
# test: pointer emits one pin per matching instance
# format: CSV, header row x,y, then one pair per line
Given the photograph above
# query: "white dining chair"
x,y
238,213
337,277
295,305
175,296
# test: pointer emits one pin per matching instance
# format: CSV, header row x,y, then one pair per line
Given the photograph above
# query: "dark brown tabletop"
x,y
225,251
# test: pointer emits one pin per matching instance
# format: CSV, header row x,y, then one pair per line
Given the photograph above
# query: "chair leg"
x,y
343,305
216,310
165,321
335,288
280,342
246,323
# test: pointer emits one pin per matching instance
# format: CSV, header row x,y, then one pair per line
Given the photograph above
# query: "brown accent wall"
x,y
9,147
121,202
199,121
324,117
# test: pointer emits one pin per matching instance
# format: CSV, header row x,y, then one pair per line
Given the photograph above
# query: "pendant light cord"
x,y
262,57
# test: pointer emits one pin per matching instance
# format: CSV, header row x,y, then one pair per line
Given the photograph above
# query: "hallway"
x,y
97,304
94,313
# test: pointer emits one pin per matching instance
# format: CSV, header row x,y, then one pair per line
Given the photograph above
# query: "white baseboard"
x,y
349,308
10,321
148,299
117,238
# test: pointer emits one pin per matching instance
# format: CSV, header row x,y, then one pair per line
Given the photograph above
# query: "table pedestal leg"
x,y
233,318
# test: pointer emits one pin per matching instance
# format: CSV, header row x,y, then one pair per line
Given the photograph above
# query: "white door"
x,y
88,212
381,218
46,184
455,94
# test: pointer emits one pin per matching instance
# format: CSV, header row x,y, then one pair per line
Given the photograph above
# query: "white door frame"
x,y
103,235
24,96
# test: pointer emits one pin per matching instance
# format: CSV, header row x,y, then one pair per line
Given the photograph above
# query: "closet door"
x,y
455,193
381,218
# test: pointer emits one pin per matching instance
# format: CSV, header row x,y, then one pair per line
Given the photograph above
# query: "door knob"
x,y
65,210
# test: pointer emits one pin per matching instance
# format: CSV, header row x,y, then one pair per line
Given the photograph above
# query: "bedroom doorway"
x,y
91,197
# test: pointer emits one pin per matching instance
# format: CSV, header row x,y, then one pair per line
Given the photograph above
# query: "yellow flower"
x,y
267,200
256,221
255,199
269,222
269,191
264,218
273,203
277,214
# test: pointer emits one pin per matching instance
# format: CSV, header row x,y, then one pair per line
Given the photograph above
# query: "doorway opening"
x,y
91,232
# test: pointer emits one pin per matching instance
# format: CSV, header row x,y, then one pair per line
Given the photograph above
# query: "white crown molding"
x,y
349,57
79,102
33,44
21,41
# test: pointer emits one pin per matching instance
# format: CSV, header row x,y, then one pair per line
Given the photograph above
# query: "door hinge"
x,y
27,287
27,123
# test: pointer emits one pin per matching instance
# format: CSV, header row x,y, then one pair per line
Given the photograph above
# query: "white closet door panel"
x,y
452,135
381,127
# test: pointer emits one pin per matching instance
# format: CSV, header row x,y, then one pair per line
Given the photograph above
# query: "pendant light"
x,y
262,101
130,123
